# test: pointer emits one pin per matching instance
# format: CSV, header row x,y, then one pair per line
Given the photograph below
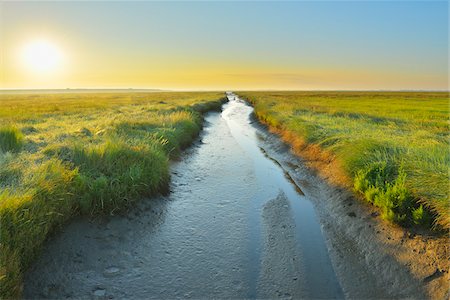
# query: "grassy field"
x,y
66,154
392,148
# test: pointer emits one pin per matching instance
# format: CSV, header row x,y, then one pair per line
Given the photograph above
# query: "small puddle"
x,y
235,225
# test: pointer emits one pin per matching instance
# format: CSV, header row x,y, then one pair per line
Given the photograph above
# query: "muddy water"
x,y
233,226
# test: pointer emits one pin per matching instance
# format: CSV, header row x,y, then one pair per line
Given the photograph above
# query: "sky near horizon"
x,y
226,45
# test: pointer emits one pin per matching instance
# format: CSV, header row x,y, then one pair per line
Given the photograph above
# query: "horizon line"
x,y
217,90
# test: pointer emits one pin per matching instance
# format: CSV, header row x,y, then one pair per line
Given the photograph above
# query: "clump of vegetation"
x,y
389,192
86,153
392,146
11,139
113,175
28,214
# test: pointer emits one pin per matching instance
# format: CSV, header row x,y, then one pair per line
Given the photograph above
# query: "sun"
x,y
41,56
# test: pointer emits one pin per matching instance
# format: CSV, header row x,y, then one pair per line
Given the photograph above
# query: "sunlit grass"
x,y
393,146
65,154
11,139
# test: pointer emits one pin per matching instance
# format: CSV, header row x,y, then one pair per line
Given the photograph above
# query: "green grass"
x,y
66,154
11,139
393,146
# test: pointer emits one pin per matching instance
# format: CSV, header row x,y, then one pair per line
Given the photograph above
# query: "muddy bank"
x,y
397,262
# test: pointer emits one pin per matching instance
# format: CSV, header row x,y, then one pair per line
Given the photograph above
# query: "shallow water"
x,y
233,226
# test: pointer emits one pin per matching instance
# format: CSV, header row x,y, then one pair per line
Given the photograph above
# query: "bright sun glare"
x,y
41,56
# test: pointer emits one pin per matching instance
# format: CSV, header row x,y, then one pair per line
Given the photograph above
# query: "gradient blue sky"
x,y
231,45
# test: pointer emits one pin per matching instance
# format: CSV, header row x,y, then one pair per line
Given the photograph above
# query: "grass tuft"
x,y
28,216
113,175
11,139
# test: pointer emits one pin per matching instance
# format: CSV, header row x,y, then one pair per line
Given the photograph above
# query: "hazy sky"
x,y
227,45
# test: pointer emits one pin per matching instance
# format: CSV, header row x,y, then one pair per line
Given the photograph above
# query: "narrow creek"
x,y
233,226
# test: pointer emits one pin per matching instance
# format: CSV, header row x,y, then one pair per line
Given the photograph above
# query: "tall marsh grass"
x,y
11,139
66,154
392,146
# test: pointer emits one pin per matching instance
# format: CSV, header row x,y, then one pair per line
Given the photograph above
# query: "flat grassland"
x,y
63,154
391,148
